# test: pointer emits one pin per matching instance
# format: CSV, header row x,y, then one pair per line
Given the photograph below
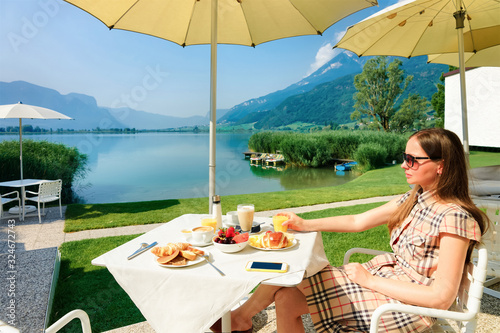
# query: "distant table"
x,y
190,299
22,183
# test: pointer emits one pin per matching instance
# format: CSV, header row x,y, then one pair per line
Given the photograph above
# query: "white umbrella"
x,y
241,22
21,111
423,27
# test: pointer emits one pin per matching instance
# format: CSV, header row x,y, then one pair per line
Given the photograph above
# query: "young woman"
x,y
433,228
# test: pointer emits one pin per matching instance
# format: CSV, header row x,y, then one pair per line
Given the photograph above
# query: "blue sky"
x,y
56,45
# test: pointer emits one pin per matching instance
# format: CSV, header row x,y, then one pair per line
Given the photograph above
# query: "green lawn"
x,y
381,182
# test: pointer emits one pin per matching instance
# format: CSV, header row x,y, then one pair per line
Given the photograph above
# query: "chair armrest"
x,y
348,254
31,192
13,192
429,312
80,314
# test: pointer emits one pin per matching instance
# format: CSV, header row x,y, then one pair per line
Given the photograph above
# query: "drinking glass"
x,y
245,216
211,222
277,223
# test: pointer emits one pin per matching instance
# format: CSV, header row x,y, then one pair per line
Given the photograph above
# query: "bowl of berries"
x,y
230,241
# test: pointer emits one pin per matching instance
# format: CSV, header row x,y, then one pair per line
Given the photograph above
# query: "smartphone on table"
x,y
264,266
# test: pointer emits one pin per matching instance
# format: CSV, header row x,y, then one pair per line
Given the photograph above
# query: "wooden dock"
x,y
249,153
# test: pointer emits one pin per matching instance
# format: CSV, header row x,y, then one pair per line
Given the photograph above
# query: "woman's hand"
x,y
294,222
357,273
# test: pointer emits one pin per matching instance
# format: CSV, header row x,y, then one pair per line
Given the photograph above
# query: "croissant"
x,y
181,246
274,240
170,248
196,251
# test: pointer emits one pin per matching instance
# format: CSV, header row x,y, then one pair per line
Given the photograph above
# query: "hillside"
x,y
343,64
333,101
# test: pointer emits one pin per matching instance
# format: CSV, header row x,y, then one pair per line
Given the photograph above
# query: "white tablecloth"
x,y
190,299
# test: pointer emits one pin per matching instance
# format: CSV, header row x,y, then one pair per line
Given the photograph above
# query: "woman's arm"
x,y
347,223
440,294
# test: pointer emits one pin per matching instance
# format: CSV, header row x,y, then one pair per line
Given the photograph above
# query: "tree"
x,y
437,102
413,109
379,87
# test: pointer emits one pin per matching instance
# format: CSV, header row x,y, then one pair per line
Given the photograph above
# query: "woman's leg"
x,y
241,318
291,304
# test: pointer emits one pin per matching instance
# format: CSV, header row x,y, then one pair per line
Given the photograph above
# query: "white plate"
x,y
294,242
189,262
192,242
231,223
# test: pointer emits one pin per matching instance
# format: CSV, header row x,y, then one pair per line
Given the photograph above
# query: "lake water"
x,y
157,166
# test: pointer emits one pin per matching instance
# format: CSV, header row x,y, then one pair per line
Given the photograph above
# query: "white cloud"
x,y
325,54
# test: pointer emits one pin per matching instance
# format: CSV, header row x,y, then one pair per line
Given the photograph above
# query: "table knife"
x,y
141,250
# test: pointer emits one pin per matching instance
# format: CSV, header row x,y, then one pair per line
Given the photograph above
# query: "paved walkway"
x,y
34,240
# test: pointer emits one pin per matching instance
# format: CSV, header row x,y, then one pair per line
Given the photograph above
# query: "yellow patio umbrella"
x,y
489,57
241,22
423,27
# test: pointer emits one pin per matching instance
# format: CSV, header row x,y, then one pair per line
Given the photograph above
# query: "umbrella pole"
x,y
460,18
21,146
213,104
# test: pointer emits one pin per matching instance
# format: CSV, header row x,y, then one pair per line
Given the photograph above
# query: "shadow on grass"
x,y
98,294
92,211
92,289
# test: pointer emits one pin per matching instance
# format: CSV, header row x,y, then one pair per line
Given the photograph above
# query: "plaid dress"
x,y
337,304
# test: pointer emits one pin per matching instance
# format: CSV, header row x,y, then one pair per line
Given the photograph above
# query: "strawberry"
x,y
230,232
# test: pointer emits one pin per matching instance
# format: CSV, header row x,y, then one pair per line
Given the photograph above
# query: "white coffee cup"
x,y
232,217
186,234
202,234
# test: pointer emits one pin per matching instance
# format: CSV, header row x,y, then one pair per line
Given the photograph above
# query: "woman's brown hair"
x,y
453,184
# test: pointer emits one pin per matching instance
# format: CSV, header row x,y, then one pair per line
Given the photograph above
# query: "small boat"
x,y
346,166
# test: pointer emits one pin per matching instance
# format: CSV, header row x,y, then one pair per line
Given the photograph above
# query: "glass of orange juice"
x,y
209,222
277,223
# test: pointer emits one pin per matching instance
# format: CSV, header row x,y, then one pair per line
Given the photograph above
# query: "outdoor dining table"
x,y
192,298
22,183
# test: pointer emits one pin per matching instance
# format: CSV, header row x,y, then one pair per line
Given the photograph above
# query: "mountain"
x,y
343,64
327,102
332,101
145,120
84,110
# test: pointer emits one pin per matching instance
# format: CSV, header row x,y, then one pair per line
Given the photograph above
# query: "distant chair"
x,y
9,197
258,158
48,191
275,158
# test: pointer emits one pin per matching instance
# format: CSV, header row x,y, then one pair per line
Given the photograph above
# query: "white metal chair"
x,y
463,312
48,191
9,197
492,242
80,314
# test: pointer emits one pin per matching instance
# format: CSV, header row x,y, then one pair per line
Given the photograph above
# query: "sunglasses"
x,y
410,159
